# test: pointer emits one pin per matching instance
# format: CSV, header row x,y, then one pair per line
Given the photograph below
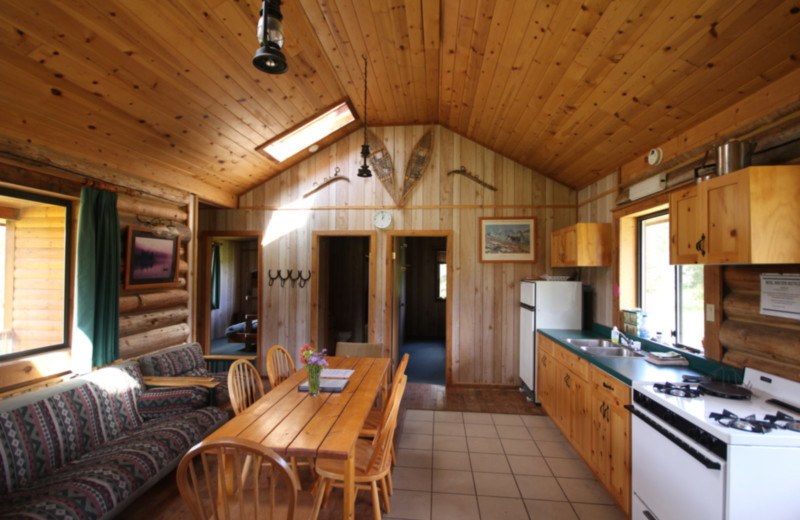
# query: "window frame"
x,y
676,332
68,243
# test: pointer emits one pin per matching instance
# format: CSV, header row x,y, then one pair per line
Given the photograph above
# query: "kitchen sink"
x,y
594,343
611,352
604,348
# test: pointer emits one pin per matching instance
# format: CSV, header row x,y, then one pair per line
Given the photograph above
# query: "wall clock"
x,y
382,219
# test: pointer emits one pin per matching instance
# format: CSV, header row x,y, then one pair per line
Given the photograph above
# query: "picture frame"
x,y
151,260
504,239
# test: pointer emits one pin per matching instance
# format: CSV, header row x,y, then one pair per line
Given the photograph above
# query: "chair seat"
x,y
334,468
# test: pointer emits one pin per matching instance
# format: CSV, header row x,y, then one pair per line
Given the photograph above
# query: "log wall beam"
x,y
130,324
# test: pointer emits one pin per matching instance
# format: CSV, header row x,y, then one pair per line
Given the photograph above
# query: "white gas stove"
x,y
707,450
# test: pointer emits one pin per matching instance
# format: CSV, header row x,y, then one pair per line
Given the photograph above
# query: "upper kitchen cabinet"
x,y
748,216
584,244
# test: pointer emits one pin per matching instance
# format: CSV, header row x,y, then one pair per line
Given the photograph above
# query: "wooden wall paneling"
x,y
483,318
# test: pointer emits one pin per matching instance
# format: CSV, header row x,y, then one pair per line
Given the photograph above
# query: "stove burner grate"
x,y
724,390
783,421
747,424
684,390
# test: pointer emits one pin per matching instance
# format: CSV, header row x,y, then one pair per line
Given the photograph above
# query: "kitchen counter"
x,y
626,370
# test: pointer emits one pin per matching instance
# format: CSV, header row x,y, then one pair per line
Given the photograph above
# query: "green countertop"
x,y
626,370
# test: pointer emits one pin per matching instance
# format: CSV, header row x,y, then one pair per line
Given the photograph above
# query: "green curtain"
x,y
97,281
215,276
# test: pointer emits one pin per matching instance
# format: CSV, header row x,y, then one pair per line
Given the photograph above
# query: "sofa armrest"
x,y
164,401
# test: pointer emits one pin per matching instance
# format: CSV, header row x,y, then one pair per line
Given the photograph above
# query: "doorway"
x,y
421,292
230,293
344,281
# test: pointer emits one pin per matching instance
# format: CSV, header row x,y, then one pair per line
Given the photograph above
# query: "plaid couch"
x,y
87,448
185,360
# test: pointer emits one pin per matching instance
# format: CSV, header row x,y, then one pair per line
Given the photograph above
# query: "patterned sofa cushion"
x,y
99,483
40,436
123,383
162,402
183,360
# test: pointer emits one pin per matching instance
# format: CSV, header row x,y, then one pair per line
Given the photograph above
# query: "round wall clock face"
x,y
382,219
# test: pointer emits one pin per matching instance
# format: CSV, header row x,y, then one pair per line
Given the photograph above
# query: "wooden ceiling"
x,y
165,90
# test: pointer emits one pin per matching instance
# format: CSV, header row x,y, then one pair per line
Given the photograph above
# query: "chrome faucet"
x,y
625,341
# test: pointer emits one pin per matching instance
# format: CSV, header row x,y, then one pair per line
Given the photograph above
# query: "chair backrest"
x,y
279,365
401,367
347,349
230,478
244,385
382,442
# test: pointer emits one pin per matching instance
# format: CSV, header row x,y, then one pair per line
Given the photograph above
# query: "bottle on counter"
x,y
644,332
615,335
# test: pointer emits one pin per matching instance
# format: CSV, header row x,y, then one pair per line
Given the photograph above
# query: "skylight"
x,y
309,133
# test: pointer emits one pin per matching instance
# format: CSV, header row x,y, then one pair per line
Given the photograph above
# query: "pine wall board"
x,y
484,323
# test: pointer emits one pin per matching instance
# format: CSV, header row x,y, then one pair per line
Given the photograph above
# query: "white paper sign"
x,y
780,295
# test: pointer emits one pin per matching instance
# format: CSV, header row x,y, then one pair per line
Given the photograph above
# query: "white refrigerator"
x,y
544,305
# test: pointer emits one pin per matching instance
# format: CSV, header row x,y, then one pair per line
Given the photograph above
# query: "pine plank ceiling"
x,y
165,90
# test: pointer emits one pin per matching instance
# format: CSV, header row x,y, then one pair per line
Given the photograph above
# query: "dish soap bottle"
x,y
643,330
615,335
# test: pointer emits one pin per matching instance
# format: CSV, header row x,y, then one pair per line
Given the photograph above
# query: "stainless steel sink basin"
x,y
603,348
601,343
611,352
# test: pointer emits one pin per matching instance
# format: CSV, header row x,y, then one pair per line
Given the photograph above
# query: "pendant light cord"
x,y
365,96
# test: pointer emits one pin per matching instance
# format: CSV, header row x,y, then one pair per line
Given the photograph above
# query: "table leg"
x,y
350,486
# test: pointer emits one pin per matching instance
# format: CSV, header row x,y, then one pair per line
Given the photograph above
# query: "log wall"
x,y
748,338
153,318
484,322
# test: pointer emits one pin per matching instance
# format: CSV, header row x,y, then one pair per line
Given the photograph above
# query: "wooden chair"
x,y
346,349
279,365
244,385
373,463
229,478
375,416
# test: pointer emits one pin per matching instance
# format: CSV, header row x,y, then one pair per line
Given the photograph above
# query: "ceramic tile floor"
x,y
483,466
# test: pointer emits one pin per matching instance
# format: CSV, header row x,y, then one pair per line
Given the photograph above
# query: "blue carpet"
x,y
221,347
426,361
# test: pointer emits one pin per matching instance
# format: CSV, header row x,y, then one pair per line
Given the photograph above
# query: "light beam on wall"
x,y
288,218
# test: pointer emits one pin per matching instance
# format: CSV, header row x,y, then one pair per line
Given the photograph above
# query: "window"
x,y
441,274
34,269
671,295
309,133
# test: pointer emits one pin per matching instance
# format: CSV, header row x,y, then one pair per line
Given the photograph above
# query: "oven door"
x,y
672,477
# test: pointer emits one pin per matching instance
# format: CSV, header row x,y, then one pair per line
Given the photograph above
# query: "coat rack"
x,y
298,279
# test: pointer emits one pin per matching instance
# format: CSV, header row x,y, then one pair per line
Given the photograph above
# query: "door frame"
x,y
204,283
391,311
315,285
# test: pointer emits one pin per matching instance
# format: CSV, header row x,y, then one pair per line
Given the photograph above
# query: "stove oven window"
x,y
671,295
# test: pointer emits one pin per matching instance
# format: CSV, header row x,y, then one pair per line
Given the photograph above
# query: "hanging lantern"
x,y
363,171
269,58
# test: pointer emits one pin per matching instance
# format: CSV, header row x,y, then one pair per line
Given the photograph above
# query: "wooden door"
x,y
619,460
683,227
580,403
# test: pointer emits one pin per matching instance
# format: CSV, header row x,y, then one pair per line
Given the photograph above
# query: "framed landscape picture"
x,y
152,260
507,239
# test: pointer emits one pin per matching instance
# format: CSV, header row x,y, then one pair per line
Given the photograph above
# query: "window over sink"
x,y
671,295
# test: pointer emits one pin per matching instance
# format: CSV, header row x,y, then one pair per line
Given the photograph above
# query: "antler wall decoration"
x,y
463,171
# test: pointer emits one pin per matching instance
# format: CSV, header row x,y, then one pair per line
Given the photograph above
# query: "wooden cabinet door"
x,y
564,247
610,456
546,380
581,425
724,209
683,227
563,395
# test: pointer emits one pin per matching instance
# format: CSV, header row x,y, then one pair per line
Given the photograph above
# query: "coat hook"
x,y
283,280
273,278
303,279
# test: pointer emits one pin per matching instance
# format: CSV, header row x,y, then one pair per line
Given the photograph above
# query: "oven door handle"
x,y
702,459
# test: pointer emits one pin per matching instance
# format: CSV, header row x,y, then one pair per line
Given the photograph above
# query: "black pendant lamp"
x,y
364,170
269,58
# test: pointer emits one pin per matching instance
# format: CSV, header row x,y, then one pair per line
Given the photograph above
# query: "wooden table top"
x,y
295,424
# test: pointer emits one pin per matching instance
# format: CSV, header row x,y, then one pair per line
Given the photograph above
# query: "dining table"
x,y
295,424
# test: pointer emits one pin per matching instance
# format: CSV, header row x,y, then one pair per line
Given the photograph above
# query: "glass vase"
x,y
313,379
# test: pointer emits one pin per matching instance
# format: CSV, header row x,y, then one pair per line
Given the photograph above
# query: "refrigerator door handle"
x,y
529,307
